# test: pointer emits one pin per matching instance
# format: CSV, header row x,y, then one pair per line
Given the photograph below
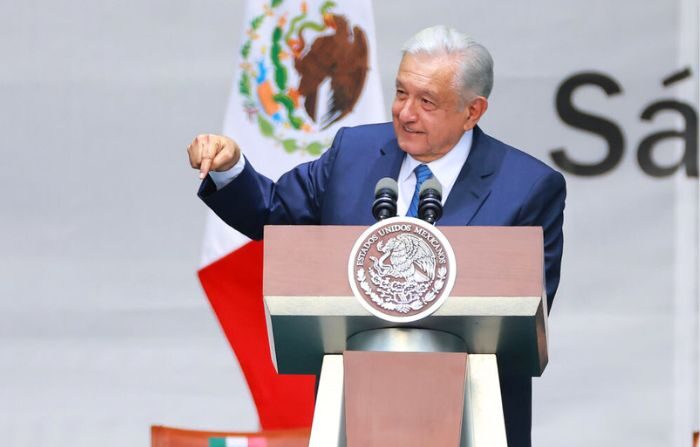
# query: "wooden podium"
x,y
429,382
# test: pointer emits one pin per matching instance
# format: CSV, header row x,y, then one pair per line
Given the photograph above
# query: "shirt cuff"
x,y
221,179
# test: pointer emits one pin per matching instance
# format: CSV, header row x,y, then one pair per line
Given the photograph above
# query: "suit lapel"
x,y
391,159
387,164
473,184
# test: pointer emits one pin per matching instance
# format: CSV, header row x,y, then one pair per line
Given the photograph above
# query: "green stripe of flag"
x,y
232,441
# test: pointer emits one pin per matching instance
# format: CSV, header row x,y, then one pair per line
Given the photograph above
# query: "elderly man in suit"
x,y
442,89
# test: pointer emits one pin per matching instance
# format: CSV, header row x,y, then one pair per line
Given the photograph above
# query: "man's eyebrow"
x,y
424,92
430,93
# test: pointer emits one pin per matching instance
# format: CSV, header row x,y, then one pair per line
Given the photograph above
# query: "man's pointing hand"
x,y
209,152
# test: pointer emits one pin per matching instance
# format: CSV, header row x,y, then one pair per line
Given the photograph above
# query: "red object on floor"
x,y
233,285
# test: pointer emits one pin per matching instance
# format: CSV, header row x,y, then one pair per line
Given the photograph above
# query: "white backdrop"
x,y
103,328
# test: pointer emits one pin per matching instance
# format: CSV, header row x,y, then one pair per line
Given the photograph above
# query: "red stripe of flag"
x,y
233,285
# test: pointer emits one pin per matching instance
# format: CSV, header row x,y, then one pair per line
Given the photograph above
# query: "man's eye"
x,y
427,102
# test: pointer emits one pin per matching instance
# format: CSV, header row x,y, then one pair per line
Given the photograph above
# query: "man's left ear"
x,y
476,108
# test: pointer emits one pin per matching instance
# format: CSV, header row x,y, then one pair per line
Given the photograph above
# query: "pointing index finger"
x,y
205,167
207,151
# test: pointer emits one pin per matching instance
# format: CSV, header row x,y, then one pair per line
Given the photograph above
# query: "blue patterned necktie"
x,y
422,173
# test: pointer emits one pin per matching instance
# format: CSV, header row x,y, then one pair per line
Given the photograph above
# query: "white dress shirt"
x,y
445,169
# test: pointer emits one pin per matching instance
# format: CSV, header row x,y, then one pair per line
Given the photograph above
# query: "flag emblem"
x,y
302,70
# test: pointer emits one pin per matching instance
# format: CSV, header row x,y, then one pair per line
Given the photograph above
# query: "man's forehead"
x,y
427,72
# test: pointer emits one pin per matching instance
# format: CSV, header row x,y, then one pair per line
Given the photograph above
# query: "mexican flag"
x,y
305,69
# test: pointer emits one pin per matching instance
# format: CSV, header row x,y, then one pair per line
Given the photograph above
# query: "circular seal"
x,y
402,269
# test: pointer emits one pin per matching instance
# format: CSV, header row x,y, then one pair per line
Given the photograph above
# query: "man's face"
x,y
428,116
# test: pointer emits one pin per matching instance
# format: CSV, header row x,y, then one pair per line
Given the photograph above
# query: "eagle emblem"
x,y
301,72
409,256
401,269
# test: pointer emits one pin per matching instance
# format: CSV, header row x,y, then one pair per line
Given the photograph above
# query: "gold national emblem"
x,y
401,269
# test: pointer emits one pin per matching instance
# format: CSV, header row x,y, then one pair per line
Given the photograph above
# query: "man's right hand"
x,y
209,152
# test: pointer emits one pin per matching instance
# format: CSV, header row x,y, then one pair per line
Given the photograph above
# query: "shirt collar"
x,y
446,168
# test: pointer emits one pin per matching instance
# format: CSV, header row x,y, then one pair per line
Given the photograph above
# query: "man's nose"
x,y
407,112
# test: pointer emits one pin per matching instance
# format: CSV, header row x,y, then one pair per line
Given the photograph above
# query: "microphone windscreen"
x,y
431,183
387,183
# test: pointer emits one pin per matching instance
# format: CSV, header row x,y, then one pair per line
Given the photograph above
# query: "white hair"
x,y
475,65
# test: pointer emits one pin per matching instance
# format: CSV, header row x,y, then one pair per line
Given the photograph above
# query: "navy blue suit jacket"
x,y
498,185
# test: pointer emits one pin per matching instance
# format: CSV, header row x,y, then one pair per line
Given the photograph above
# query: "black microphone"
x,y
385,194
430,201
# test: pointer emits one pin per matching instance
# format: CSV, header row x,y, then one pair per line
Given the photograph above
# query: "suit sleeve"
x,y
251,200
545,207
